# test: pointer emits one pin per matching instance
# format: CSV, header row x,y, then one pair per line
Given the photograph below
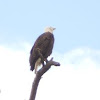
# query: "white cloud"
x,y
76,79
81,58
15,77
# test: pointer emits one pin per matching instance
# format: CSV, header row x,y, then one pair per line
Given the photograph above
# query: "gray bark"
x,y
39,75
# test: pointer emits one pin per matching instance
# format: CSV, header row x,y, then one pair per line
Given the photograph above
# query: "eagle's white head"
x,y
49,29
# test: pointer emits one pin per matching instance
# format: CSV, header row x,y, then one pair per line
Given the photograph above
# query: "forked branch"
x,y
39,75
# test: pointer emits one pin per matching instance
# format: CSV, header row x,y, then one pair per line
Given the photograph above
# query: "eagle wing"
x,y
45,44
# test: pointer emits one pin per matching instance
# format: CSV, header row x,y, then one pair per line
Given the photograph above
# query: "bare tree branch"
x,y
39,75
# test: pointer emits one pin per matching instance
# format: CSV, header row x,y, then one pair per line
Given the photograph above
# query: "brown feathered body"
x,y
45,44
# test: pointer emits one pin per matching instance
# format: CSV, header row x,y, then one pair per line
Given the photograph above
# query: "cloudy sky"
x,y
76,47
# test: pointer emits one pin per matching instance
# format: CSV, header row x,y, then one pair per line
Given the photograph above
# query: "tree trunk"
x,y
39,75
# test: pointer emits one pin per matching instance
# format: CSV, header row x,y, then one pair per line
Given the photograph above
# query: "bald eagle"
x,y
42,48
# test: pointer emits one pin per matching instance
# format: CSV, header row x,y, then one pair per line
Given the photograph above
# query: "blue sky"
x,y
76,47
77,22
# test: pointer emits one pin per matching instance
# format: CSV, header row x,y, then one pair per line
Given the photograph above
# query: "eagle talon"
x,y
46,61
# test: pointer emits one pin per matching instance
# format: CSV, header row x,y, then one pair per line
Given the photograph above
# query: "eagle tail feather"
x,y
32,67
